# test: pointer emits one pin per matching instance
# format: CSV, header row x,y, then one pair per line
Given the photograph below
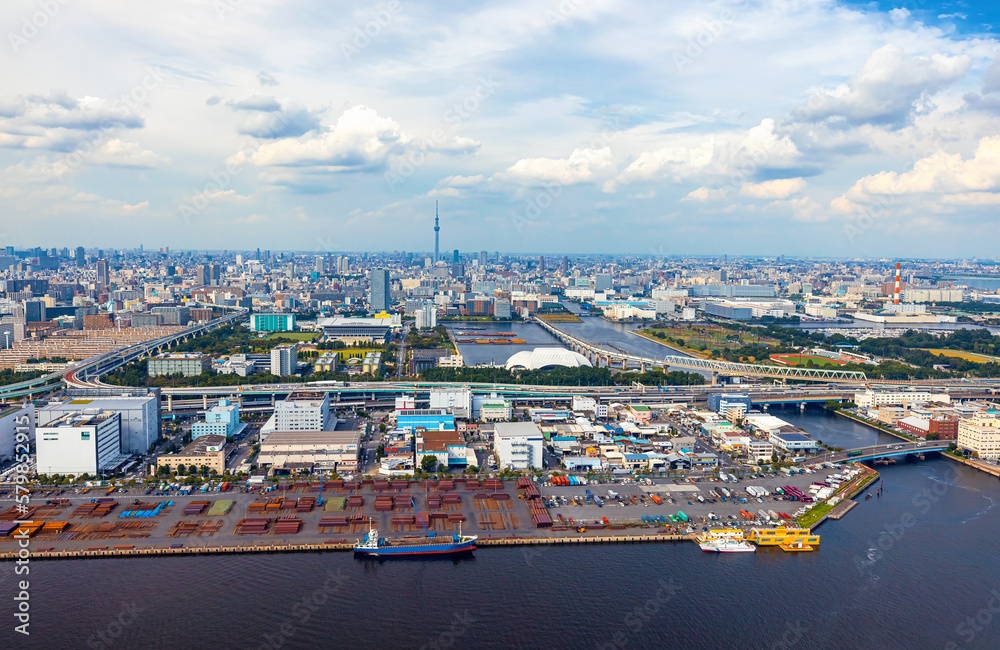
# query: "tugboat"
x,y
377,546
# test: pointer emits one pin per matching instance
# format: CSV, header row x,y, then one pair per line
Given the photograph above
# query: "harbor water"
x,y
913,568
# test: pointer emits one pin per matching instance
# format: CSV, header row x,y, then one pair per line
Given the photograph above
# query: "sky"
x,y
794,127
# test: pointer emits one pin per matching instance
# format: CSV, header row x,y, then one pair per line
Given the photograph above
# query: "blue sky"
x,y
797,127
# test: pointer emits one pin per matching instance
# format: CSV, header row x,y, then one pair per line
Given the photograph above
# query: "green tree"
x,y
429,464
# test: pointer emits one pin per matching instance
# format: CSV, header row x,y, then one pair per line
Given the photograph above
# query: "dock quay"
x,y
332,546
842,509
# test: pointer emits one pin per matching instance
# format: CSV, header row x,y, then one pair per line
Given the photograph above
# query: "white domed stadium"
x,y
541,358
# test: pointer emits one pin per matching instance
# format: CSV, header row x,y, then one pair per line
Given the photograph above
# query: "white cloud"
x,y
939,172
884,90
361,139
780,188
704,194
582,166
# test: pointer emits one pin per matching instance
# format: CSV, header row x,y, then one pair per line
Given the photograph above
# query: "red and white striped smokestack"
x,y
895,299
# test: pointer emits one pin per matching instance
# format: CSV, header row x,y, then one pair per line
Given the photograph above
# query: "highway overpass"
x,y
597,355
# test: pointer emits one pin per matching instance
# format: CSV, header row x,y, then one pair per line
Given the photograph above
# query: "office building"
x,y
206,451
457,400
336,450
17,426
186,364
272,322
33,311
792,442
721,402
518,445
602,282
380,299
501,309
492,408
284,359
80,256
301,411
429,419
448,448
871,398
103,277
173,315
139,409
221,420
980,435
80,443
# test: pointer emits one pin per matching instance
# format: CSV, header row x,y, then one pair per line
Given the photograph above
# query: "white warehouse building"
x,y
80,443
518,445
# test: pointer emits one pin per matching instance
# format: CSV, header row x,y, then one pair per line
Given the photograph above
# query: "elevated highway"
x,y
597,355
78,375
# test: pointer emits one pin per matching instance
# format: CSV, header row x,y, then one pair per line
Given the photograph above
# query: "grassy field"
x,y
968,356
814,515
707,337
297,336
357,353
560,318
804,359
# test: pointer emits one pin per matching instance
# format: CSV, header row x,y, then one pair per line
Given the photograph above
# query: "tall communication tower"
x,y
437,234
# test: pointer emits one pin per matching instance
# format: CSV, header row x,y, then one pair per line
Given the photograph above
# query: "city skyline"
x,y
681,123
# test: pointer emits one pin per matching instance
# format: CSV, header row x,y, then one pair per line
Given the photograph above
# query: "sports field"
x,y
296,336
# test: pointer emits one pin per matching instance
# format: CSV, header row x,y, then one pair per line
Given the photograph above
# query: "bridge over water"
x,y
597,355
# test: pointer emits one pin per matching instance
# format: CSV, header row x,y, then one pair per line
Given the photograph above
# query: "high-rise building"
x,y
602,282
379,300
102,274
284,359
320,266
541,264
202,275
214,274
454,256
482,258
565,265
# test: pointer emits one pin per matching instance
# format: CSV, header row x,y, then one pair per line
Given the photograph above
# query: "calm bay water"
x,y
903,570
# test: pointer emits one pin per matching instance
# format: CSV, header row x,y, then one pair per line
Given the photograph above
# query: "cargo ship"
x,y
726,540
373,544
